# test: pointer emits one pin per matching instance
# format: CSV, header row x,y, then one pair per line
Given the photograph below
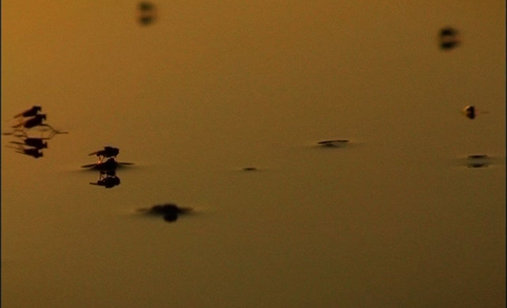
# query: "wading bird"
x,y
33,121
30,112
106,152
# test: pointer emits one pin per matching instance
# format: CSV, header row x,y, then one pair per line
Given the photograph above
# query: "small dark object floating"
x,y
36,120
110,164
249,169
169,211
333,143
146,13
448,38
469,112
478,161
477,156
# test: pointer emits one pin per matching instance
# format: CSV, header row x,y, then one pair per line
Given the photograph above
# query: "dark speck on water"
x,y
478,161
249,169
333,143
169,211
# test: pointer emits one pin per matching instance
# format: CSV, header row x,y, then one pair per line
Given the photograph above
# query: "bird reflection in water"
x,y
107,178
107,169
169,211
31,132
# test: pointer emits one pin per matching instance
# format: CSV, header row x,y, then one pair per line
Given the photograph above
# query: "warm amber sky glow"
x,y
394,219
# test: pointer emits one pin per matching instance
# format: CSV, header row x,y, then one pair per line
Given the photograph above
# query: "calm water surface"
x,y
394,218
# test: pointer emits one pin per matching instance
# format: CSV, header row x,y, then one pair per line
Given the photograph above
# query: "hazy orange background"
x,y
394,219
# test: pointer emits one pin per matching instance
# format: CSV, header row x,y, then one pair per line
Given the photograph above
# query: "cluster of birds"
x,y
31,132
107,164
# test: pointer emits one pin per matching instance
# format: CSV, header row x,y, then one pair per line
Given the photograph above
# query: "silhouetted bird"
x,y
469,111
33,121
169,211
30,112
106,152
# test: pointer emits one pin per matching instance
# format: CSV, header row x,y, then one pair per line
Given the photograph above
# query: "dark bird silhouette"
x,y
448,38
33,121
106,152
469,112
30,112
169,211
